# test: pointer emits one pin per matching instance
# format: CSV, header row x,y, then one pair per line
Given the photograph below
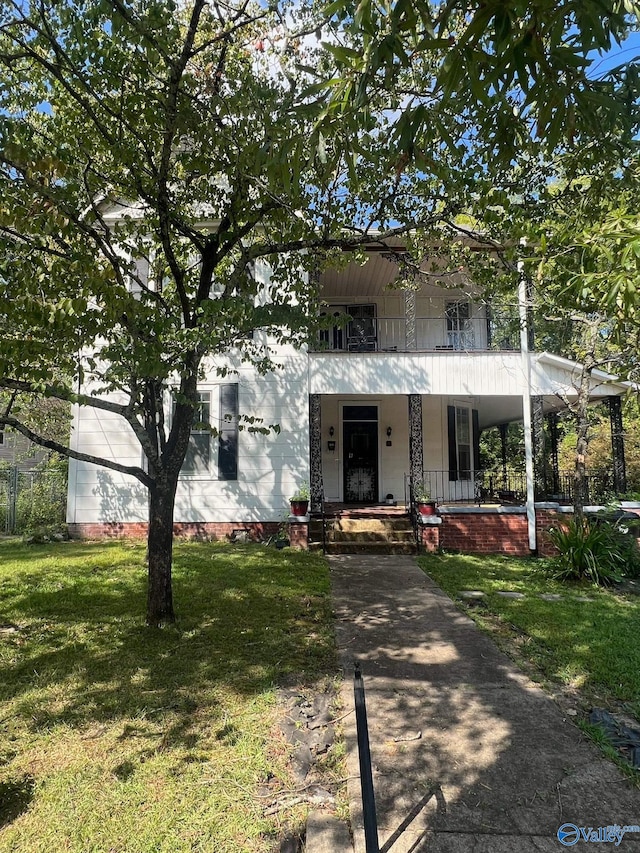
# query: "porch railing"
x,y
510,487
432,334
599,487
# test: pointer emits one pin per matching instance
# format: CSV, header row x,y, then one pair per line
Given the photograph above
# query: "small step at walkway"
x,y
468,754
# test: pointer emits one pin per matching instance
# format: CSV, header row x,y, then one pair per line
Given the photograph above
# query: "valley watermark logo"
x,y
569,834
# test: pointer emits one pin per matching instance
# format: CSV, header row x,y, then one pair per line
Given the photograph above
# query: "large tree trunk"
x,y
581,411
160,553
580,469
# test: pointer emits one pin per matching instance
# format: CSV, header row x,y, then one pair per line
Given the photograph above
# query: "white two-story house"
x,y
396,390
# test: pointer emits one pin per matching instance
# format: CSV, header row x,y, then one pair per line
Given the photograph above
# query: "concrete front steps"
x,y
378,534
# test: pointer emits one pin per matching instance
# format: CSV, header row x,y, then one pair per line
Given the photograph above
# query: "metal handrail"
x,y
369,818
509,486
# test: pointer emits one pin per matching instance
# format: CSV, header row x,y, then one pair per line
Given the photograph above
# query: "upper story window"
x,y
459,326
354,329
334,337
362,329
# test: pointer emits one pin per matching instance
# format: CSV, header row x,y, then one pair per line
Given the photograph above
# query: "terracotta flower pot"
x,y
427,508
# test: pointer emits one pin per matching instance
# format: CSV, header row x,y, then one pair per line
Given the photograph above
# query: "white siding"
x,y
449,373
97,494
269,466
464,374
551,376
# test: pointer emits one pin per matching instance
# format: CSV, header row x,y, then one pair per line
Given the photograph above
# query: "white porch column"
x,y
526,409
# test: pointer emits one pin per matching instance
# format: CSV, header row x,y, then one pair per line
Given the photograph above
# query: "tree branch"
x,y
61,392
320,243
168,143
133,471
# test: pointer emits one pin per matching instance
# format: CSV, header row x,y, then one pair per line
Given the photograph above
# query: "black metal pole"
x,y
366,776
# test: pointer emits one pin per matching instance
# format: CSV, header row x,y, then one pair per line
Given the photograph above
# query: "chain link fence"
x,y
32,499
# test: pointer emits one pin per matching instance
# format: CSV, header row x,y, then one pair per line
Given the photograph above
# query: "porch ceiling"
x,y
493,411
376,276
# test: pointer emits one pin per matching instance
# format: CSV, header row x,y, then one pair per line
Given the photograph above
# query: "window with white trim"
x,y
463,436
333,337
198,457
213,442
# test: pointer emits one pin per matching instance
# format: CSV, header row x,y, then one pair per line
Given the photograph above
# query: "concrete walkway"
x,y
468,754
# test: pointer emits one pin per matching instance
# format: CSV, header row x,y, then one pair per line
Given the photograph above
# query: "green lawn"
x,y
590,646
117,737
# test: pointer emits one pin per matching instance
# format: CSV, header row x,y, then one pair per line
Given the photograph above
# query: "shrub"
x,y
41,498
599,551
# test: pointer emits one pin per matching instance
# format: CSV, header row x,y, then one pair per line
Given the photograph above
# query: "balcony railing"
x,y
510,487
432,334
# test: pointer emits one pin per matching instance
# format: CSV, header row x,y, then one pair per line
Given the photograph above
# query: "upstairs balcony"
x,y
358,329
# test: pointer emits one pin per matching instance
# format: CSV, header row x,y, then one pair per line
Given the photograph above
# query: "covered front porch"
x,y
375,449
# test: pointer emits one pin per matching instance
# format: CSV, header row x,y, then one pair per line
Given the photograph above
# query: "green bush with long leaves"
x,y
596,550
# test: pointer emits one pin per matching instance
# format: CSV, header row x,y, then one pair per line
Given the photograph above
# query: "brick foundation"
x,y
545,519
253,531
430,538
477,531
487,532
474,531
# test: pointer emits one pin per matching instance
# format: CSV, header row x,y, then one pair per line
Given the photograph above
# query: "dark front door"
x,y
360,461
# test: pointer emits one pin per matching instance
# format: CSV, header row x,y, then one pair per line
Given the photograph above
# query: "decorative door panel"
x,y
360,461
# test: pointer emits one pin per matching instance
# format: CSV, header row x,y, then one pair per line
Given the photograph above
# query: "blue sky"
x,y
626,52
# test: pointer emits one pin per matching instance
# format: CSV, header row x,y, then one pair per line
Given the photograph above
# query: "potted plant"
x,y
422,498
300,500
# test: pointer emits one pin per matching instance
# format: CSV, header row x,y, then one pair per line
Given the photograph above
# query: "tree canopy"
x,y
514,73
155,156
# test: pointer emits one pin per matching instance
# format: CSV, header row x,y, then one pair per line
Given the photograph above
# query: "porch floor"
x,y
364,510
344,510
